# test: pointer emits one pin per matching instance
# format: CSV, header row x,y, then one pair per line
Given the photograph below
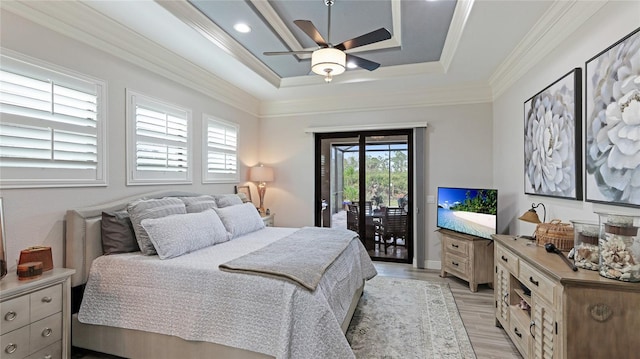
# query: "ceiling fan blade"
x,y
311,31
366,39
271,53
362,63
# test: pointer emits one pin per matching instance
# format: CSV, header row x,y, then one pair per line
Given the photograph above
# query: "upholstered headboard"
x,y
83,232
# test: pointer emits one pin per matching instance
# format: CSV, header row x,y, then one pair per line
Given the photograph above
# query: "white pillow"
x,y
151,208
226,200
178,234
199,203
240,219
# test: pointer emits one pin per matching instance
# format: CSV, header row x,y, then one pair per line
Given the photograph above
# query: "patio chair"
x,y
392,226
353,217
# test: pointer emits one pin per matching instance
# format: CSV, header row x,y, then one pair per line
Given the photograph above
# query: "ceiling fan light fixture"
x,y
328,62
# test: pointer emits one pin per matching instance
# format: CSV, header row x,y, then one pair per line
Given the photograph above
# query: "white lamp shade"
x,y
328,61
261,174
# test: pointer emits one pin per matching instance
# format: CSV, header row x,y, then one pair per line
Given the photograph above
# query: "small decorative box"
x,y
29,270
37,254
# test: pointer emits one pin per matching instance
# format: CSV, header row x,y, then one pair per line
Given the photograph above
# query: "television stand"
x,y
467,257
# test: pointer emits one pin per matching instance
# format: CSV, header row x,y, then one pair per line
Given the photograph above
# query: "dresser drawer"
x,y
45,332
46,302
519,330
536,281
15,344
53,351
507,259
456,264
15,314
456,246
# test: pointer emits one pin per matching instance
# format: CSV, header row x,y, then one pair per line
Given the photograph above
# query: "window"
x,y
159,141
220,157
51,127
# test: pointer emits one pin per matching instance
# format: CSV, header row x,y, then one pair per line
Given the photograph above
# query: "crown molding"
x,y
82,23
191,16
456,28
459,95
375,127
559,21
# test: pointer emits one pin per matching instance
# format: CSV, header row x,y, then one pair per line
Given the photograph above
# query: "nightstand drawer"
x,y
53,351
46,302
15,314
45,332
15,344
456,246
456,264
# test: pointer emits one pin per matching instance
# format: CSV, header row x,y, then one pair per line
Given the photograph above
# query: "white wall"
x,y
459,145
35,216
614,21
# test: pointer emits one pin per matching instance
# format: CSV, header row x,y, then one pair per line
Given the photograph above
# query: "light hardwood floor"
x,y
476,310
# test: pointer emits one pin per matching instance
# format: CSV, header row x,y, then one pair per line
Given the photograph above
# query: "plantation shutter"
x,y
162,142
221,151
50,129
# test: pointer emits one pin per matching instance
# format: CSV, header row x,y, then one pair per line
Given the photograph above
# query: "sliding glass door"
x,y
364,183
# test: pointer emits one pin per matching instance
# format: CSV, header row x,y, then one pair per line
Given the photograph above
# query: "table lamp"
x,y
261,175
531,216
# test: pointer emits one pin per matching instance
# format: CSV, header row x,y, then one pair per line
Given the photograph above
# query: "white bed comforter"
x,y
189,297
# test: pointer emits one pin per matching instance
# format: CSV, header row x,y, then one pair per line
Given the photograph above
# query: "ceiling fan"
x,y
330,60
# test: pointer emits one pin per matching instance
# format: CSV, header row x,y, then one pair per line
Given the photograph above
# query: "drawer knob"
x,y
11,315
505,297
47,332
46,299
11,348
454,263
535,282
454,246
504,258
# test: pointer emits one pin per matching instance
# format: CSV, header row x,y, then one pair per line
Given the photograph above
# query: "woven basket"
x,y
556,232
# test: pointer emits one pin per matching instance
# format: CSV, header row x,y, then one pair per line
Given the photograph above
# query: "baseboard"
x,y
428,264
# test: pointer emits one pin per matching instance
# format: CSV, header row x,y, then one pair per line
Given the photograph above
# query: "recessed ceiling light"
x,y
242,27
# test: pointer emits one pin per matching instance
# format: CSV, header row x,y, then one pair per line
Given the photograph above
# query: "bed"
x,y
139,306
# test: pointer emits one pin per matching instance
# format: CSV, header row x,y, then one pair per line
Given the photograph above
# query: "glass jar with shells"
x,y
619,244
586,252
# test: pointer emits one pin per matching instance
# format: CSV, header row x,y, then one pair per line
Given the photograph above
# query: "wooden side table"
x,y
268,219
467,257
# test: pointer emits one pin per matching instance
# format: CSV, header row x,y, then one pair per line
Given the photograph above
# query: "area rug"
x,y
408,318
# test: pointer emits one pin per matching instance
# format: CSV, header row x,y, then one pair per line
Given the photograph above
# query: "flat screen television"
x,y
471,211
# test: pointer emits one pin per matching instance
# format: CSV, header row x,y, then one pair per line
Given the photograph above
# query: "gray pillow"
x,y
226,200
199,203
178,234
241,219
151,208
117,233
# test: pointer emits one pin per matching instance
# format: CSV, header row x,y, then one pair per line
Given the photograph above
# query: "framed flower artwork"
x,y
612,116
552,139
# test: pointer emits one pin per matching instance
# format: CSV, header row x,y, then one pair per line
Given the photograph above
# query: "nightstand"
x,y
467,257
268,219
36,315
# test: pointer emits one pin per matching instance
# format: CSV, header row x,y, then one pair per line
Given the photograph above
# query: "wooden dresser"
x,y
571,314
467,257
